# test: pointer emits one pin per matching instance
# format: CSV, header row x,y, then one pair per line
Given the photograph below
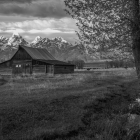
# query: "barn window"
x,y
19,65
16,66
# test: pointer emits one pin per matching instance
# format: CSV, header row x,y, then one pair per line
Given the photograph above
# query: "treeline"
x,y
79,64
121,64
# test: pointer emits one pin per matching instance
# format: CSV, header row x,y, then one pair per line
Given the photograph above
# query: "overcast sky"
x,y
31,18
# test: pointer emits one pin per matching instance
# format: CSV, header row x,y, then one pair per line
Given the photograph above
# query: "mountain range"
x,y
58,47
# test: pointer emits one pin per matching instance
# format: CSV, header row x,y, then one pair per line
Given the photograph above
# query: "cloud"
x,y
48,31
36,17
34,8
16,1
36,31
13,30
64,24
45,31
38,26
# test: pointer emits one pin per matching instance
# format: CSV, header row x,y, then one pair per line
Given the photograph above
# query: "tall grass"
x,y
36,83
32,83
40,108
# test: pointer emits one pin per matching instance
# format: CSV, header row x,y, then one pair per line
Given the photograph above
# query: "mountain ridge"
x,y
58,47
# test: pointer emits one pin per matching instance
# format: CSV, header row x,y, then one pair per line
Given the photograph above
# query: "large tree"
x,y
108,24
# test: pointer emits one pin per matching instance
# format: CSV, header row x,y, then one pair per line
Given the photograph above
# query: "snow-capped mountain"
x,y
58,47
15,40
39,41
57,43
60,39
3,42
3,39
36,40
12,42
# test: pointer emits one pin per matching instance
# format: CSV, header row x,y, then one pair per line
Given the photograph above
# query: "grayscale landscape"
x,y
69,70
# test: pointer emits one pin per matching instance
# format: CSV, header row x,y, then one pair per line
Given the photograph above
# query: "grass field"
x,y
86,105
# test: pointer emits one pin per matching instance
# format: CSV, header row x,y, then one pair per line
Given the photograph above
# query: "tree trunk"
x,y
136,35
136,53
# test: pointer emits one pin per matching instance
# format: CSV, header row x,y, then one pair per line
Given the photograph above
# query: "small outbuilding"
x,y
99,64
28,60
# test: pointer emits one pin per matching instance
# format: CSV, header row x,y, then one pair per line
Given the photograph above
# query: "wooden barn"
x,y
28,60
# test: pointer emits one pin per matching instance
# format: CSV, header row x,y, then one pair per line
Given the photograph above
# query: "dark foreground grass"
x,y
80,106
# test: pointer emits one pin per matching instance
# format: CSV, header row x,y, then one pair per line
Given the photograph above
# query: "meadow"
x,y
86,105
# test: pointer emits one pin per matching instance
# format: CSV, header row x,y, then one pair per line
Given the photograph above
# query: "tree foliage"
x,y
103,23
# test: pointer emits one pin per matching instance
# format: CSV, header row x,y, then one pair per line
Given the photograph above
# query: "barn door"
x,y
49,69
27,69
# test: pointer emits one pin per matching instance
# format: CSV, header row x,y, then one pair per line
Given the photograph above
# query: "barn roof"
x,y
38,53
56,62
43,55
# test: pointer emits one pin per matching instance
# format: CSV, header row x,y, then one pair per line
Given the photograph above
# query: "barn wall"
x,y
21,63
96,65
39,69
6,64
21,54
6,70
37,62
6,67
63,69
22,67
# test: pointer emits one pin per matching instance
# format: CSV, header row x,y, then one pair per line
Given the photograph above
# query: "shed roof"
x,y
38,53
99,61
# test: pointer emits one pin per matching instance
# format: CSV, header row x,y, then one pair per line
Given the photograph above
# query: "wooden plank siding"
x,y
38,62
39,69
63,69
21,54
6,68
22,62
22,67
95,65
34,60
